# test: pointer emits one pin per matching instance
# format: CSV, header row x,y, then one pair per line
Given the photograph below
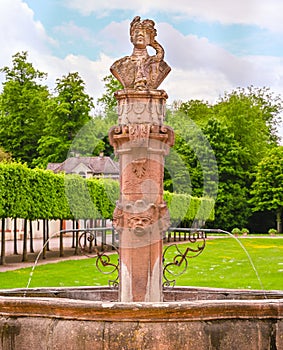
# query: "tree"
x,y
267,189
196,160
68,112
251,115
213,160
23,105
231,208
108,100
105,118
241,129
199,111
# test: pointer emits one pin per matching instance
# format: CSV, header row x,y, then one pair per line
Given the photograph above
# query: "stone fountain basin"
x,y
92,318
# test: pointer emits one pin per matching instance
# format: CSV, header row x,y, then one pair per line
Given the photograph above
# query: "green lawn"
x,y
222,264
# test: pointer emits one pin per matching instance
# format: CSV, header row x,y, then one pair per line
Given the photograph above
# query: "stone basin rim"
x,y
167,311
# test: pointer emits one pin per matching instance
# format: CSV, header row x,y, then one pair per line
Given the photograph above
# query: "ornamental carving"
x,y
146,106
141,135
139,167
139,131
140,71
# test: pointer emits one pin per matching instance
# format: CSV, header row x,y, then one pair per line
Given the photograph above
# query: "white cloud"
x,y
200,69
92,72
192,55
266,14
19,30
115,38
196,84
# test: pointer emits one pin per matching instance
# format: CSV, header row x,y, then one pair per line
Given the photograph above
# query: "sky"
x,y
212,47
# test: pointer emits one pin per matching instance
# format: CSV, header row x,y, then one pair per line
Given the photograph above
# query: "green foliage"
x,y
110,191
238,130
14,188
231,207
91,198
267,189
23,106
68,112
193,166
245,231
92,138
183,207
251,115
198,111
79,199
108,101
41,194
236,231
208,162
31,193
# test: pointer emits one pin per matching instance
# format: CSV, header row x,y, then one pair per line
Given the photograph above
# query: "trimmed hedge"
x,y
183,207
40,194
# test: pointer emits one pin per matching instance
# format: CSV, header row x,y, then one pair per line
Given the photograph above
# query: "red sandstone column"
x,y
141,141
141,216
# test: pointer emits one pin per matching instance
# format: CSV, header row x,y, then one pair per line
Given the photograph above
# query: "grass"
x,y
62,274
223,264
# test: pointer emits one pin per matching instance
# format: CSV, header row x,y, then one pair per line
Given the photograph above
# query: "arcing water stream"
x,y
202,230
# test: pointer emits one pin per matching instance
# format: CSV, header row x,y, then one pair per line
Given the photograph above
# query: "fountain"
x,y
141,314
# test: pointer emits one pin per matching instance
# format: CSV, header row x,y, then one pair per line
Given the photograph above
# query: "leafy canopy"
x,y
23,109
267,189
68,112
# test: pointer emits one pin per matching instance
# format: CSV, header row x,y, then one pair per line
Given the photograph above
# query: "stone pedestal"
x,y
141,216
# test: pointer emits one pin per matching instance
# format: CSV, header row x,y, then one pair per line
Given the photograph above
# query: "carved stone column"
x,y
141,140
141,216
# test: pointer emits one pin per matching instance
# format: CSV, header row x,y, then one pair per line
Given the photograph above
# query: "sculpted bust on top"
x,y
140,71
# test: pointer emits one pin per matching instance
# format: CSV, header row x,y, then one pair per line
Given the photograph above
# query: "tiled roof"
x,y
53,166
96,165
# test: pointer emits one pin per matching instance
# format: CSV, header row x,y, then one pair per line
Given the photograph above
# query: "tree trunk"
x,y
77,239
44,239
30,237
73,236
2,259
279,220
61,239
47,235
15,237
25,253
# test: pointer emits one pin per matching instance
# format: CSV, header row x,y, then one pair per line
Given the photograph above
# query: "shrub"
x,y
236,231
245,231
272,231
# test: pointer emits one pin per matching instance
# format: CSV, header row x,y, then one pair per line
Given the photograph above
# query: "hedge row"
x,y
41,194
184,207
